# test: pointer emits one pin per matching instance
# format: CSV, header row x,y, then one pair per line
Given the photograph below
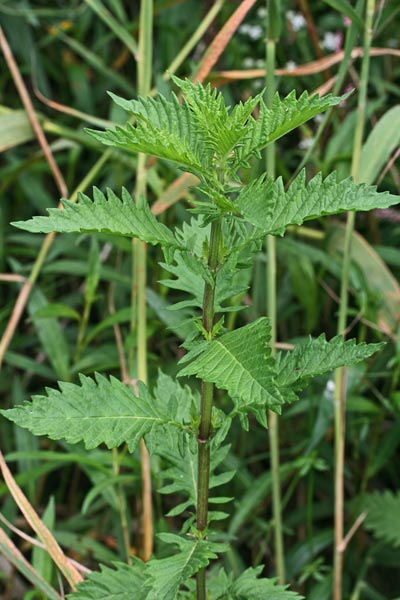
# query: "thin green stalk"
x,y
340,374
343,69
194,39
139,307
207,393
273,34
121,502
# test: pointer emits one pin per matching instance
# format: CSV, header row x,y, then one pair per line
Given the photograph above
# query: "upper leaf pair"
x,y
202,132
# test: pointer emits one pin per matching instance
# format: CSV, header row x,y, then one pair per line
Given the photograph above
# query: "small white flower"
x,y
330,385
255,32
306,143
331,41
296,20
248,62
319,118
258,84
291,65
244,28
262,12
260,63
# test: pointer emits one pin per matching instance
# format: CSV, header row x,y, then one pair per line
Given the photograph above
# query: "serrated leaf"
x,y
191,273
99,411
103,215
163,128
383,516
183,468
168,574
240,362
222,130
283,116
249,586
120,583
267,206
316,357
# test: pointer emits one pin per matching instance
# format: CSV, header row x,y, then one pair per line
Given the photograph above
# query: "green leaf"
x,y
168,574
99,411
318,356
283,116
182,471
103,215
15,129
250,587
240,362
267,206
191,274
56,309
383,516
121,583
383,140
163,128
345,8
52,336
222,130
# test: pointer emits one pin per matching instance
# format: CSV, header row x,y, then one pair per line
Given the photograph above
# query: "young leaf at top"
x,y
99,411
240,362
267,206
222,130
104,215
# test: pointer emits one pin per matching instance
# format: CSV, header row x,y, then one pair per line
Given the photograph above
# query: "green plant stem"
x,y
340,374
273,429
121,502
350,42
138,305
207,393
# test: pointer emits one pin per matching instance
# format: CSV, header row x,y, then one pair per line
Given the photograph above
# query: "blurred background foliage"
x,y
70,54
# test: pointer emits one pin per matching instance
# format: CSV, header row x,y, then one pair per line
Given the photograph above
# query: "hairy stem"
x,y
207,393
271,312
340,374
